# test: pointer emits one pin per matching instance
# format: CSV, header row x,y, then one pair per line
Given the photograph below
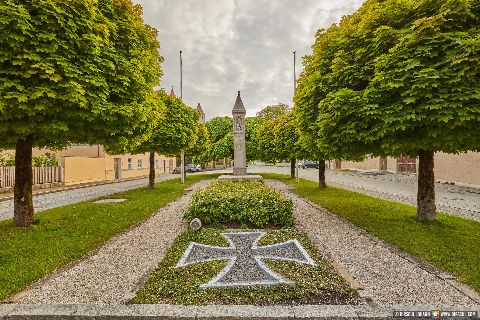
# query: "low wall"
x,y
463,167
460,168
82,169
367,164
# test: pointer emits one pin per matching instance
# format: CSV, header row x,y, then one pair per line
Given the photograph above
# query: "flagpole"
x,y
182,153
294,91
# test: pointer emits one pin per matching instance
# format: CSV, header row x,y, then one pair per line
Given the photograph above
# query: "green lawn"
x,y
62,235
318,284
451,243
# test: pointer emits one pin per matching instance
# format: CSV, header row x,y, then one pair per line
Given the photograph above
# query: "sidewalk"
x,y
74,194
4,196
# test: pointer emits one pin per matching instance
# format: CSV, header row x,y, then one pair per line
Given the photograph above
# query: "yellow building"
x,y
86,163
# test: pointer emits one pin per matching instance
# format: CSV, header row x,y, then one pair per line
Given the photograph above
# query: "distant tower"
x,y
202,114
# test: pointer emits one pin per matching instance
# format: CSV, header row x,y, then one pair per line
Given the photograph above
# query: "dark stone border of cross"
x,y
245,266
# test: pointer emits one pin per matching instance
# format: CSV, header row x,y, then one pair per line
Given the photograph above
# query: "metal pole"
x,y
181,76
294,74
182,154
294,90
182,163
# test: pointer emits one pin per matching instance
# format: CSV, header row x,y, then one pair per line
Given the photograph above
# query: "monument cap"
x,y
239,104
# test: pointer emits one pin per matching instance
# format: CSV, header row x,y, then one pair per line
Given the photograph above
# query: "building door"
x,y
383,164
117,167
406,164
338,164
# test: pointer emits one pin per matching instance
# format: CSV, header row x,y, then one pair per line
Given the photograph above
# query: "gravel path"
x,y
453,199
388,277
111,274
63,198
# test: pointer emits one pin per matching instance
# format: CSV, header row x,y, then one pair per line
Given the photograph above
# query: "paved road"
x,y
454,199
62,198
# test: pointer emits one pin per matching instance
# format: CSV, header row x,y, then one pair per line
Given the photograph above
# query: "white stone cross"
x,y
245,266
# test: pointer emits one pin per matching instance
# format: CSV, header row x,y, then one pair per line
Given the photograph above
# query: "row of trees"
x,y
83,72
397,77
271,136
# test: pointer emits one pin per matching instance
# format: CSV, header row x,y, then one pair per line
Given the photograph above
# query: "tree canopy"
x,y
74,71
396,77
272,112
220,131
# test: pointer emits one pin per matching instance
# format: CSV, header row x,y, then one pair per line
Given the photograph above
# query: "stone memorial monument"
x,y
239,151
239,147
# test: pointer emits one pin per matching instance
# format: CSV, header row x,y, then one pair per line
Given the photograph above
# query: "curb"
x,y
218,312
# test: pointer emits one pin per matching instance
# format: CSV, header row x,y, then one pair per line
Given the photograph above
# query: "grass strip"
x,y
62,235
318,284
450,243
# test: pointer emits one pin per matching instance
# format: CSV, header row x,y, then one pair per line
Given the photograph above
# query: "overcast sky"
x,y
231,45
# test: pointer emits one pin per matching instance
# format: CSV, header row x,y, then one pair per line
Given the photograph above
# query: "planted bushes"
x,y
243,202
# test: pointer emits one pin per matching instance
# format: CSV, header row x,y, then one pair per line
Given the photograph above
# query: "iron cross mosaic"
x,y
245,266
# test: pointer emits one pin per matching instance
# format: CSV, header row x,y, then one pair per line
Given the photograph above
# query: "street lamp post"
x,y
182,153
294,90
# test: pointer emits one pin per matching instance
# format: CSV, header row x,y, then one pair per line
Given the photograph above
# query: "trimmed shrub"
x,y
244,202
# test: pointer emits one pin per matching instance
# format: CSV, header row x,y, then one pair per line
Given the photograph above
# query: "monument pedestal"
x,y
243,177
239,171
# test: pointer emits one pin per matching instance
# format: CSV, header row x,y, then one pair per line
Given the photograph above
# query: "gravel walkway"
x,y
454,199
112,274
388,277
63,198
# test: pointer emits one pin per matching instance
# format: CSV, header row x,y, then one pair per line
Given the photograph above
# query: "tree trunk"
x,y
151,176
292,168
321,174
22,194
426,210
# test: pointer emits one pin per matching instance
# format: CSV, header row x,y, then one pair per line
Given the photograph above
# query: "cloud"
x,y
231,45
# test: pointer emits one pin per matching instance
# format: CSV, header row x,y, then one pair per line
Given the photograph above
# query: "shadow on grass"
x,y
450,243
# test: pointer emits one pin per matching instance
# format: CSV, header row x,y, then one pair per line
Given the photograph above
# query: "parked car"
x,y
192,167
309,164
176,170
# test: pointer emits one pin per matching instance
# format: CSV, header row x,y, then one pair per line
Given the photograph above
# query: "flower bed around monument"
x,y
248,203
316,283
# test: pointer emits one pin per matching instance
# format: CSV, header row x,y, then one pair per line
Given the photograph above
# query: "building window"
x,y
130,164
139,164
156,164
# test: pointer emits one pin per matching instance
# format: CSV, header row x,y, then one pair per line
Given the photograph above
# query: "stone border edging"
x,y
218,312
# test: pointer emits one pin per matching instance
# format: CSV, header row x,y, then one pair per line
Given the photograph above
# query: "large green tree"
x,y
272,112
403,79
71,72
175,130
286,140
266,142
201,147
252,125
220,131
